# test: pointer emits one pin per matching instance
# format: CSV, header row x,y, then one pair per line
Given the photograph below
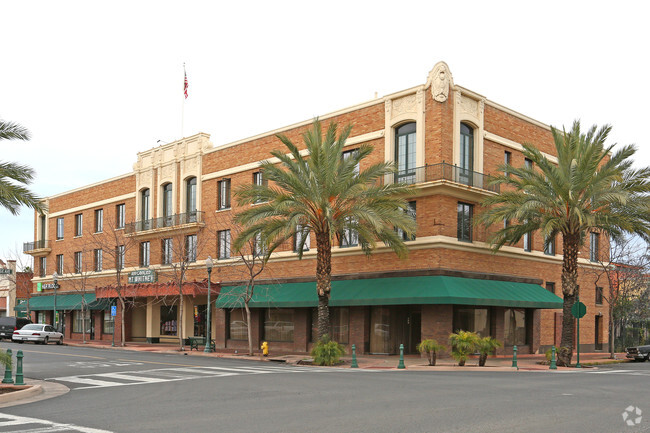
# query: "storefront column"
x,y
98,317
301,330
153,321
536,337
359,333
499,330
219,327
437,323
188,317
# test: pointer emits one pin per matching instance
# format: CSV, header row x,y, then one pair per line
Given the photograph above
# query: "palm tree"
x,y
326,194
13,176
590,189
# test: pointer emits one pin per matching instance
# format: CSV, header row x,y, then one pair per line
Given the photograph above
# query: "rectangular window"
x,y
515,327
550,286
507,161
80,322
237,327
549,246
190,248
349,235
168,319
224,244
412,213
528,242
108,325
464,229
78,224
167,251
145,254
599,295
278,325
528,163
258,179
224,194
593,246
347,154
99,259
40,317
99,220
119,257
473,320
258,247
119,216
59,228
297,239
59,264
42,266
339,324
78,262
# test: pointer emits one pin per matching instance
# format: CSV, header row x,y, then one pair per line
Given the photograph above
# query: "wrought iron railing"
x,y
163,222
37,245
442,171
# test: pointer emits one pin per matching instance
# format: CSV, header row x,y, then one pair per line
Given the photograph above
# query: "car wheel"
x,y
60,342
46,340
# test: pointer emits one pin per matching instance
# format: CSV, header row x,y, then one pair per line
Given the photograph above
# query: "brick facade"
x,y
436,246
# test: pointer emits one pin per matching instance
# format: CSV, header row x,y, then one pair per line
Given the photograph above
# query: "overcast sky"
x,y
97,82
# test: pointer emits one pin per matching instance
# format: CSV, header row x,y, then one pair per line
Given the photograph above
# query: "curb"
x,y
27,391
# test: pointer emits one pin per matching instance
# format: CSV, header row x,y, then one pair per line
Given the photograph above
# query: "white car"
x,y
38,334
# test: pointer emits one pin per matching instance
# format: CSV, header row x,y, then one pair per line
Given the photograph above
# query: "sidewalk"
x,y
388,362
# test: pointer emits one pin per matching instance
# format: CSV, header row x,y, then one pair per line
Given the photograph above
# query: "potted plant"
x,y
431,348
486,346
463,344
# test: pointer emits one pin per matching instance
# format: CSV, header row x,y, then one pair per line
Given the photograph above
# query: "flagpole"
x,y
184,97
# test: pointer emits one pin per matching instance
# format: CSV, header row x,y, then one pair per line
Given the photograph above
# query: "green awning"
x,y
65,302
397,291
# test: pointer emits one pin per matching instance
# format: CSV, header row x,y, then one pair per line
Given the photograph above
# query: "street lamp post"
x,y
55,276
208,337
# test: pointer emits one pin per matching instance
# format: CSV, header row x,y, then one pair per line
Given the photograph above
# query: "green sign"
x,y
39,287
142,276
4,271
579,310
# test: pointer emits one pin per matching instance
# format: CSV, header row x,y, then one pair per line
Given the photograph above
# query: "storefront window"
x,y
168,317
200,318
278,325
78,321
109,322
237,325
40,317
473,320
515,326
339,324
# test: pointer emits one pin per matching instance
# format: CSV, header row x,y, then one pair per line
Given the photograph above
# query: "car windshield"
x,y
32,328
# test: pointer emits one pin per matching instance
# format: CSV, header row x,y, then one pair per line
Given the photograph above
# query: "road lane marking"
x,y
45,425
64,354
160,363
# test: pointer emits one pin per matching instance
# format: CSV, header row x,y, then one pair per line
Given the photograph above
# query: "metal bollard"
x,y
553,363
514,357
19,368
401,357
354,357
8,378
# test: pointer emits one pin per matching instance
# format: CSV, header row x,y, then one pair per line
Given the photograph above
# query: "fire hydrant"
x,y
265,348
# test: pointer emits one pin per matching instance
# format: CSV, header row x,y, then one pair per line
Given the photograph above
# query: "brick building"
x,y
158,224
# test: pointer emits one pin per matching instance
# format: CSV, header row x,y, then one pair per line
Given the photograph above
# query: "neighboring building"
x,y
178,204
15,287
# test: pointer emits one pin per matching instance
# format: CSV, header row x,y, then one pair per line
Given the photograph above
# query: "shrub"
x,y
463,344
327,352
486,346
431,348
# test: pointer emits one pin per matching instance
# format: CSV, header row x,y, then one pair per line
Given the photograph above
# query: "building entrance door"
x,y
392,326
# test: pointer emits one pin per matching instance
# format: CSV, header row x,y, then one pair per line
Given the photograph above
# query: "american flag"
x,y
185,86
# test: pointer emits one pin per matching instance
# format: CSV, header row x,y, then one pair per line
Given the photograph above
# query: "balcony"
x,y
181,222
37,248
443,172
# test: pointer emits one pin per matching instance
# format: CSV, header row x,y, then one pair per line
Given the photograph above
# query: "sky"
x,y
97,82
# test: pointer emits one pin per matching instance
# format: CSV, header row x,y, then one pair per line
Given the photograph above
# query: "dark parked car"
x,y
638,353
10,324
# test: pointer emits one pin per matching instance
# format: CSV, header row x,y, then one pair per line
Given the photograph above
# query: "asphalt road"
x,y
123,391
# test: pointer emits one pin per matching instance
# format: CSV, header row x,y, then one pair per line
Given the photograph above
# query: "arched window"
x,y
168,209
144,202
190,199
466,163
405,153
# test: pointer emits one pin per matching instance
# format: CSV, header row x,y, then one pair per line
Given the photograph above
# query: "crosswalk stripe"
x,y
45,426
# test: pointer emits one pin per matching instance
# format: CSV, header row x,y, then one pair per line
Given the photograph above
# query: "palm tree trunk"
x,y
323,281
571,242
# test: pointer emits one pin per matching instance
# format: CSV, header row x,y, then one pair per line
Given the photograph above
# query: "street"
x,y
125,391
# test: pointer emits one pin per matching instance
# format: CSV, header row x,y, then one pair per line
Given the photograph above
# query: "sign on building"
x,y
142,276
51,286
4,271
